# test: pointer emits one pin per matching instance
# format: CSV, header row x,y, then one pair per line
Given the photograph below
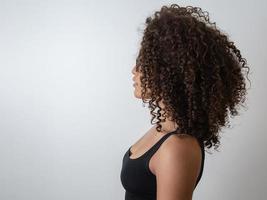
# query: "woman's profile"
x,y
191,76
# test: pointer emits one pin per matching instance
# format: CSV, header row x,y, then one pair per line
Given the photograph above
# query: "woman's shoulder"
x,y
180,149
181,144
178,161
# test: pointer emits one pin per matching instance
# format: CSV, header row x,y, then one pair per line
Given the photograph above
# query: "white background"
x,y
68,111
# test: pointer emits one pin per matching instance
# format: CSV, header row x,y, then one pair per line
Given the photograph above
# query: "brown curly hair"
x,y
195,70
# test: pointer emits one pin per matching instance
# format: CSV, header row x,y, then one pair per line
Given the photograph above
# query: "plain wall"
x,y
67,108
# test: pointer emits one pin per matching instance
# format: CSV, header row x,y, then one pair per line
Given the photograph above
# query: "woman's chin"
x,y
136,94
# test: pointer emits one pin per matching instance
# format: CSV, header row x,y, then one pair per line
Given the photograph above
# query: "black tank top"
x,y
137,179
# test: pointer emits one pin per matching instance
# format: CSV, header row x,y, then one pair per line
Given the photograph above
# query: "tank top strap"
x,y
158,143
156,146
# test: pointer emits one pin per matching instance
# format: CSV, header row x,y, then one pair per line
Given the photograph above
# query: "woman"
x,y
192,75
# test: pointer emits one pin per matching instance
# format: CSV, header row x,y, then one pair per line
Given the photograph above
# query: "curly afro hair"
x,y
185,61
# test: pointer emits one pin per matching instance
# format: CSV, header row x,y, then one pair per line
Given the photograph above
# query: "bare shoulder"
x,y
180,148
180,144
177,167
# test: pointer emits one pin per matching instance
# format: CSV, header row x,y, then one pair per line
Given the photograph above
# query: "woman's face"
x,y
136,83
